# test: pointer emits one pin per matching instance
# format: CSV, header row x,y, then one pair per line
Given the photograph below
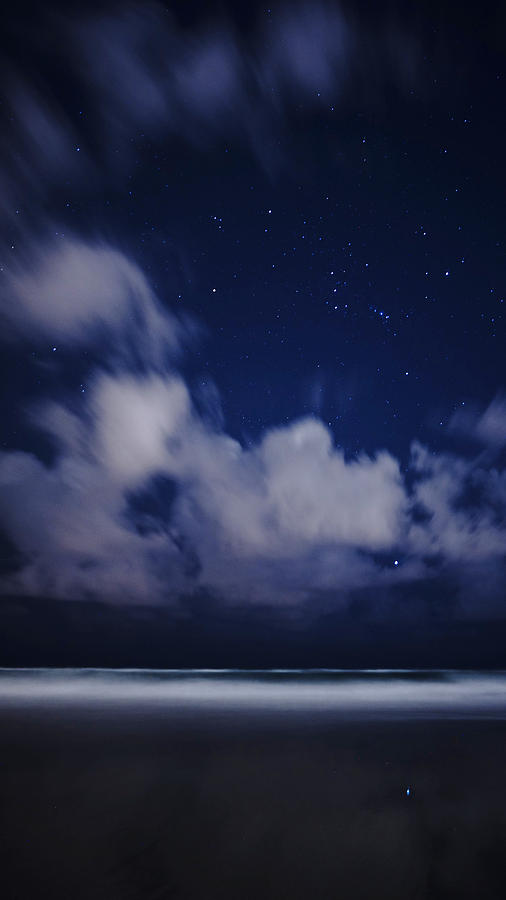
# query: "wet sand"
x,y
122,801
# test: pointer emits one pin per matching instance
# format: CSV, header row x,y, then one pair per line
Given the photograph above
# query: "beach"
x,y
123,797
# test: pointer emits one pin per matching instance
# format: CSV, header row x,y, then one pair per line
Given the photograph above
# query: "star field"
x,y
327,287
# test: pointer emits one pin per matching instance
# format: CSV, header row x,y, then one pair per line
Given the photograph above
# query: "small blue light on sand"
x,y
408,791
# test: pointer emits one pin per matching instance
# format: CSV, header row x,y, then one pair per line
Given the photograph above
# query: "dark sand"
x,y
119,803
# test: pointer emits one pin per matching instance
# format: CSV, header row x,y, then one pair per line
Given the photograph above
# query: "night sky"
x,y
252,312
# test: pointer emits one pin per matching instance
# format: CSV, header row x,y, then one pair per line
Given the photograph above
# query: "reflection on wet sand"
x,y
130,801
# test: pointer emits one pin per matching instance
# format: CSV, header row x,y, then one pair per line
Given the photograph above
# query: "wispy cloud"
x,y
486,427
136,70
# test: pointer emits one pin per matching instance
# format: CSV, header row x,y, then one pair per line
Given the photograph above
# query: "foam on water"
x,y
381,692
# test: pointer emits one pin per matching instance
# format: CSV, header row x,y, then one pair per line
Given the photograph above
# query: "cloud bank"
x,y
146,499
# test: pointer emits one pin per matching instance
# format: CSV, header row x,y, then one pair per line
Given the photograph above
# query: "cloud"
x,y
289,508
67,522
137,70
70,291
43,132
309,48
136,421
214,80
277,521
487,428
464,517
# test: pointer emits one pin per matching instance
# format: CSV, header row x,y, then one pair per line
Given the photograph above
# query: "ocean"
x,y
252,784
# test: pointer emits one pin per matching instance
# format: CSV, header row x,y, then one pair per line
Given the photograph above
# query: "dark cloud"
x,y
135,69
